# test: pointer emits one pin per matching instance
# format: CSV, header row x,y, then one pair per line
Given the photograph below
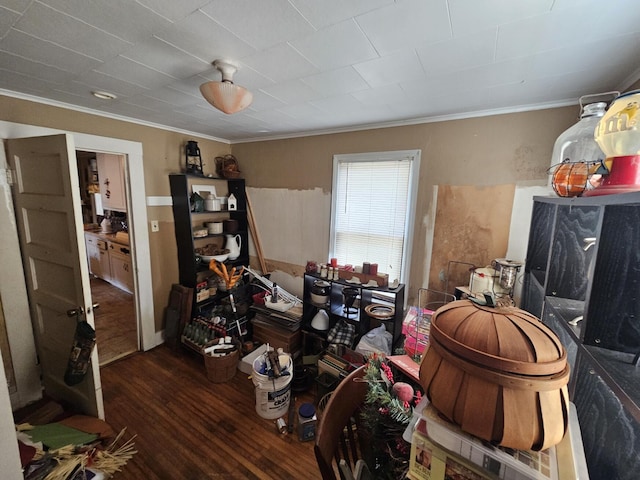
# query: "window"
x,y
372,210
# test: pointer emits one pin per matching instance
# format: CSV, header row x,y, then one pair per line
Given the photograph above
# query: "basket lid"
x,y
506,339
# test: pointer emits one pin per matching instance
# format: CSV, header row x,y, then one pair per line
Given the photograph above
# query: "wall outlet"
x,y
154,226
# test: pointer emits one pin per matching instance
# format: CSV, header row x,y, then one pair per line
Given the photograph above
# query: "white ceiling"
x,y
317,65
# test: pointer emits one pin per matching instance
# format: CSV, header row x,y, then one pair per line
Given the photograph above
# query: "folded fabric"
x,y
342,333
88,424
27,453
56,435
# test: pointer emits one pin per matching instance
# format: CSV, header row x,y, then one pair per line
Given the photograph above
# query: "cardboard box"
x,y
202,291
277,337
430,462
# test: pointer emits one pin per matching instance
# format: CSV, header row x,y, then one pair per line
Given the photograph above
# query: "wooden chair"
x,y
337,437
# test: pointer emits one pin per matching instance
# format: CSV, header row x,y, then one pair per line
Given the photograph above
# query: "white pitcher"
x,y
233,244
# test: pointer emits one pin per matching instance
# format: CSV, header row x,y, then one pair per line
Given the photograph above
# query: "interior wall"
x,y
163,153
294,175
469,229
500,150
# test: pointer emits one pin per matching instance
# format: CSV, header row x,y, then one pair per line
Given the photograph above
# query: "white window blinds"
x,y
372,210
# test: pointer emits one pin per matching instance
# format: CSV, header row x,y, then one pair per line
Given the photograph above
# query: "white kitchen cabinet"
x,y
121,269
111,178
98,257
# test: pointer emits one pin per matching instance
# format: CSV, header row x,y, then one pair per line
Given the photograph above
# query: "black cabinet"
x,y
582,278
193,270
386,299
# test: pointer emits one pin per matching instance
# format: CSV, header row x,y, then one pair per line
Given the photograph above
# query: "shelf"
x,y
568,310
583,252
192,270
338,311
358,317
540,276
356,285
218,235
197,177
209,212
622,376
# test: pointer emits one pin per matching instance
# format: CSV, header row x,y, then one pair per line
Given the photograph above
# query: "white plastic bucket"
x,y
272,394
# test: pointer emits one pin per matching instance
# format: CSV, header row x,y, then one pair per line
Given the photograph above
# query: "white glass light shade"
x,y
226,96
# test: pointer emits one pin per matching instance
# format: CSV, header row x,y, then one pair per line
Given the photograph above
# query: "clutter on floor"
x,y
54,445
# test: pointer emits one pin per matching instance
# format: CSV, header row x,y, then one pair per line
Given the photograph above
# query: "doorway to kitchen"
x,y
108,255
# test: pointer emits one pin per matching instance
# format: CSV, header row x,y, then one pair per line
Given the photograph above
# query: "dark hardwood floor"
x,y
189,428
115,320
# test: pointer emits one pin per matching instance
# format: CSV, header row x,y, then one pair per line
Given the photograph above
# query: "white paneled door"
x,y
47,204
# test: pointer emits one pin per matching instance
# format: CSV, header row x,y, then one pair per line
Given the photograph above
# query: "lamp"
x,y
193,159
225,95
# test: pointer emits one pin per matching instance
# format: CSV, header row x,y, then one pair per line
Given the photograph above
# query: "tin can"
x,y
281,425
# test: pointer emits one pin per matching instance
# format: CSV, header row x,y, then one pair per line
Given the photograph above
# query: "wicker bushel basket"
x,y
222,369
498,373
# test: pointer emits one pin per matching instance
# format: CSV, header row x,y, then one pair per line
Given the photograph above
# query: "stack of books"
x,y
289,320
334,365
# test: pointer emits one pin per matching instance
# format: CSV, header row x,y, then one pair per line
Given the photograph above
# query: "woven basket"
x,y
498,373
222,369
227,166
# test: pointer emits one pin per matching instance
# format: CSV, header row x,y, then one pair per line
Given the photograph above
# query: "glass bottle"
x,y
577,143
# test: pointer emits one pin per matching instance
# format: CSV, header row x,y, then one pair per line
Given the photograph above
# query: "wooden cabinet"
x,y
192,269
110,260
120,265
111,178
390,299
98,256
582,278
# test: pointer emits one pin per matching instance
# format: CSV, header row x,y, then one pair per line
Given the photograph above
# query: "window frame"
x,y
412,195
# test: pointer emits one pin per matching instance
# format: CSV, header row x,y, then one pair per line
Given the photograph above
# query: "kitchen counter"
x,y
121,238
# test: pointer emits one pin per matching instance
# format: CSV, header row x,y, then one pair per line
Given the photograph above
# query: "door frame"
x,y
139,237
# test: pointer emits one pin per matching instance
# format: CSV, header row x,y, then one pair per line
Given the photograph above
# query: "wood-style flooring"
x,y
188,428
115,320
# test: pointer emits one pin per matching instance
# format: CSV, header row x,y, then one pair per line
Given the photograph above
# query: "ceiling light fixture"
x,y
104,95
225,95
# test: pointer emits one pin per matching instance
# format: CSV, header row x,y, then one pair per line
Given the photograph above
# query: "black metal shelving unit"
x,y
192,270
357,316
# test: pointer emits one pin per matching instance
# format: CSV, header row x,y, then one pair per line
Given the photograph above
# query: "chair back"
x,y
337,436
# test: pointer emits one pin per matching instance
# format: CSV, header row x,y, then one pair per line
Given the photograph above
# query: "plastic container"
x,y
307,422
617,131
272,394
506,463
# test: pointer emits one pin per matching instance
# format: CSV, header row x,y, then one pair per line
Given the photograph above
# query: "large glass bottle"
x,y
577,143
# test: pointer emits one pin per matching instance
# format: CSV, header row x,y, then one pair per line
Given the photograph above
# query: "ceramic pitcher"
x,y
233,244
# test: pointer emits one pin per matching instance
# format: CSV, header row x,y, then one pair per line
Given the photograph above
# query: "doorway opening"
x,y
108,257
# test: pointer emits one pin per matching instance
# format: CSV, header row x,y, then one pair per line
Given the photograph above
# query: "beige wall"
x,y
478,153
162,154
295,176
